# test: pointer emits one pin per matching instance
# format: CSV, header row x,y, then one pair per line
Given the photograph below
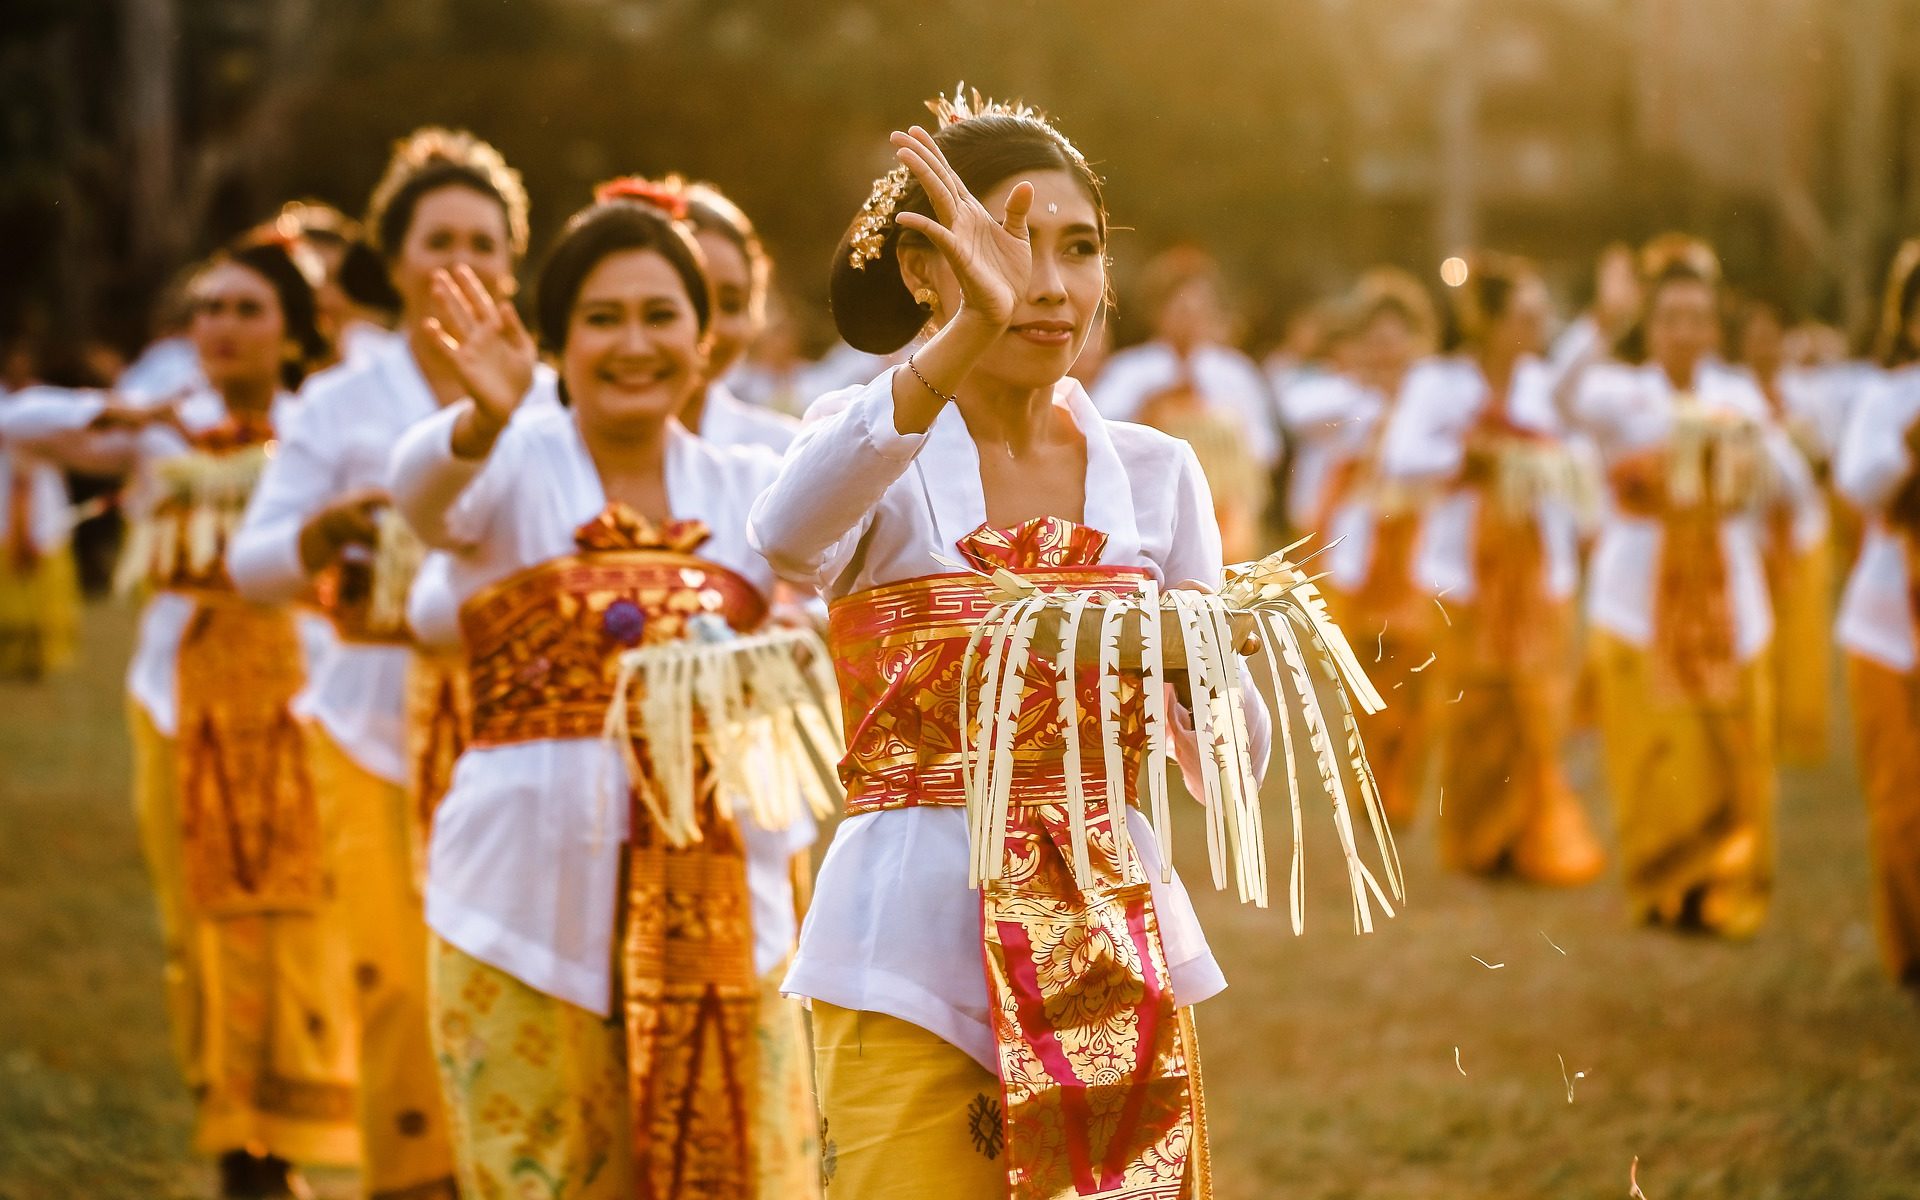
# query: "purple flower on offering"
x,y
623,622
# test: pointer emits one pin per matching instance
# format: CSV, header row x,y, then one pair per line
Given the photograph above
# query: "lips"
x,y
1045,333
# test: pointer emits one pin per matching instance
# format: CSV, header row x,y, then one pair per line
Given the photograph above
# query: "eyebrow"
x,y
1079,227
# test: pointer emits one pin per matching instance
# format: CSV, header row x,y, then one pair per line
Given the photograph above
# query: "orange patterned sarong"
x,y
1098,1072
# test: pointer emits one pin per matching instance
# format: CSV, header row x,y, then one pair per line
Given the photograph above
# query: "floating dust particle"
x,y
1443,800
1456,1061
1398,686
1423,666
1633,1181
1483,962
1459,698
1380,644
1444,615
1550,941
1577,1075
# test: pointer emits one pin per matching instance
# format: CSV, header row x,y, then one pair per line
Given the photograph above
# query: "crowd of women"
x,y
392,543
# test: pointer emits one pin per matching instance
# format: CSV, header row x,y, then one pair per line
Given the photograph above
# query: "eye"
x,y
483,243
439,240
662,314
1083,248
732,302
250,308
601,318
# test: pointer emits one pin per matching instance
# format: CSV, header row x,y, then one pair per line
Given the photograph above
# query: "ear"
x,y
916,264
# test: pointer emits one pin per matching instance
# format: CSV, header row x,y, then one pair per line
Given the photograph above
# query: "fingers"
x,y
938,158
511,326
442,340
945,203
1019,204
942,238
478,295
454,312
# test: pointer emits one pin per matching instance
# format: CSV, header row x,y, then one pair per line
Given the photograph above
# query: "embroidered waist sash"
x,y
250,828
1101,1086
543,648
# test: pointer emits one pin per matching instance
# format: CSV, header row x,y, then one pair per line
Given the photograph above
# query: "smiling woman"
x,y
577,532
1067,1067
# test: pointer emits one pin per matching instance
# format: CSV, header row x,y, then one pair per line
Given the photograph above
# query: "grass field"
x,y
1785,1068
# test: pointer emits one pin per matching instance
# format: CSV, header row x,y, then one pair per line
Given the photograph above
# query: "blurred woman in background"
x,y
1500,541
1878,469
1681,622
257,959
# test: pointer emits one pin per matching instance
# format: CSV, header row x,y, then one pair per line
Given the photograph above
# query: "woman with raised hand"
x,y
1067,1065
320,521
1677,601
1878,469
1501,542
257,971
575,533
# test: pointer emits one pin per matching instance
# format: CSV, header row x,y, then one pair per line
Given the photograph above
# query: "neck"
x,y
1001,414
1497,364
696,408
631,451
1680,374
249,397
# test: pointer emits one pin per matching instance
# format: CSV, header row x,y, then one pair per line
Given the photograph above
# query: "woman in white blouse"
x,y
948,1065
257,976
1678,604
315,523
1500,542
1878,469
574,533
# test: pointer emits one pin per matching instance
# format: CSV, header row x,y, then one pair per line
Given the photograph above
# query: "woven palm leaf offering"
x,y
199,499
759,708
1525,473
1717,458
1155,636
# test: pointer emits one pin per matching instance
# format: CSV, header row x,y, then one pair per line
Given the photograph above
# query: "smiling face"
x,y
237,327
452,226
1682,326
633,355
739,312
1053,319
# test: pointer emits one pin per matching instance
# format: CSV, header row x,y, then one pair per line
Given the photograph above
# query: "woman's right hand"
x,y
992,258
484,342
350,520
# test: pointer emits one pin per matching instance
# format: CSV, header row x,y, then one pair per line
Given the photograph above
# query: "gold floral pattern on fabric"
x,y
1100,1096
250,825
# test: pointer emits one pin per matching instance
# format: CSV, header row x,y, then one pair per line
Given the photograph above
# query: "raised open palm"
x,y
991,258
483,341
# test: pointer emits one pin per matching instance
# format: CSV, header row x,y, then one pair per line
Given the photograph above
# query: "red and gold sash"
x,y
250,825
543,655
1098,1067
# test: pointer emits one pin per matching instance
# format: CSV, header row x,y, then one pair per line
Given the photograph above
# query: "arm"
x,y
296,524
1799,492
1875,454
807,523
433,485
1425,441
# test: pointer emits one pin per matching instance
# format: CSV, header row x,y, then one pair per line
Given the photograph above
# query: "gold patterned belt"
x,y
543,645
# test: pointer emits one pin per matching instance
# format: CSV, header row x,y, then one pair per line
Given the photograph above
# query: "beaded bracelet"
x,y
923,383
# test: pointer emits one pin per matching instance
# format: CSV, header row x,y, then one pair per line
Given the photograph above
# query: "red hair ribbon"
x,y
665,197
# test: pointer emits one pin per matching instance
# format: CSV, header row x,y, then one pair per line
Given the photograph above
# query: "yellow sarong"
x,y
369,837
1886,707
537,1090
1802,589
1693,790
262,1021
39,614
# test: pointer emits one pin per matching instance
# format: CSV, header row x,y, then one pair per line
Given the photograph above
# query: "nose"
x,y
1045,286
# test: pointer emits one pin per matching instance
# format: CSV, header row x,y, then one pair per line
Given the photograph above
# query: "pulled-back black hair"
x,y
607,228
273,261
709,210
872,307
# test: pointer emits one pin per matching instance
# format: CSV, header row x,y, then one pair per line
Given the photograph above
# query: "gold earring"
x,y
925,297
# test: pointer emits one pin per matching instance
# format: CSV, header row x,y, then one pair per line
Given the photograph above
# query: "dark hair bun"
x,y
986,145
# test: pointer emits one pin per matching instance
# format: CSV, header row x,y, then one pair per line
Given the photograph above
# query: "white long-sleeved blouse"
x,y
349,420
524,864
1876,611
1425,444
1630,409
894,927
